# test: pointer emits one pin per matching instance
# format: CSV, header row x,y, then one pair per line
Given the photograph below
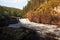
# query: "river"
x,y
40,28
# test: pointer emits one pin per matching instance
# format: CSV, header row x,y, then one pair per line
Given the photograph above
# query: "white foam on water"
x,y
26,22
44,28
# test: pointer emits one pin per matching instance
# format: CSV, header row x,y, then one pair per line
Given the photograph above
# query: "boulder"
x,y
3,21
6,20
36,19
55,21
13,20
45,20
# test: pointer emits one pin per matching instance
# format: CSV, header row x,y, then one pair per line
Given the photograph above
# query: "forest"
x,y
8,11
39,11
42,11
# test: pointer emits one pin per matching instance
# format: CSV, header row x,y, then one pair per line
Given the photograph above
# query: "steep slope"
x,y
32,5
45,13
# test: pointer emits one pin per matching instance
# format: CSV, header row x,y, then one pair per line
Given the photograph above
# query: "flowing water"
x,y
40,28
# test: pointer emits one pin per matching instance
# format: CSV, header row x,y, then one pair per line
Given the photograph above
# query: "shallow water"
x,y
40,28
27,23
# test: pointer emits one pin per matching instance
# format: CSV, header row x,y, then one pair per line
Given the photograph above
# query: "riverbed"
x,y
42,29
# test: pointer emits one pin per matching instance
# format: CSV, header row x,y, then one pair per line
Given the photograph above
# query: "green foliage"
x,y
10,11
44,12
32,5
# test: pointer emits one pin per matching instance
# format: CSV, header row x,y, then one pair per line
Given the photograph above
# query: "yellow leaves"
x,y
54,3
56,14
50,4
45,13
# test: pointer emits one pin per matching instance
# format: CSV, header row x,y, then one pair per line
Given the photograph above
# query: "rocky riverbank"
x,y
26,30
6,20
45,31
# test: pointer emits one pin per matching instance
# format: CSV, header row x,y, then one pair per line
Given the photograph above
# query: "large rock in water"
x,y
13,20
6,20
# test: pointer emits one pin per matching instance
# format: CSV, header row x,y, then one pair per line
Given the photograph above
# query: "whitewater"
x,y
38,27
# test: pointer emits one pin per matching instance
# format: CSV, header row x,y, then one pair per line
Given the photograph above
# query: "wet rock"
x,y
36,19
55,21
13,20
6,20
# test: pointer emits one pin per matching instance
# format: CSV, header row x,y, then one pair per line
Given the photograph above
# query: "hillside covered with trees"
x,y
42,11
8,11
39,11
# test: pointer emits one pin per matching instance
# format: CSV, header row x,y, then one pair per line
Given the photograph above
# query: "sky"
x,y
14,3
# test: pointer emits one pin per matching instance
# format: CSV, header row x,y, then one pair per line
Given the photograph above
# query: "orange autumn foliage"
x,y
45,13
